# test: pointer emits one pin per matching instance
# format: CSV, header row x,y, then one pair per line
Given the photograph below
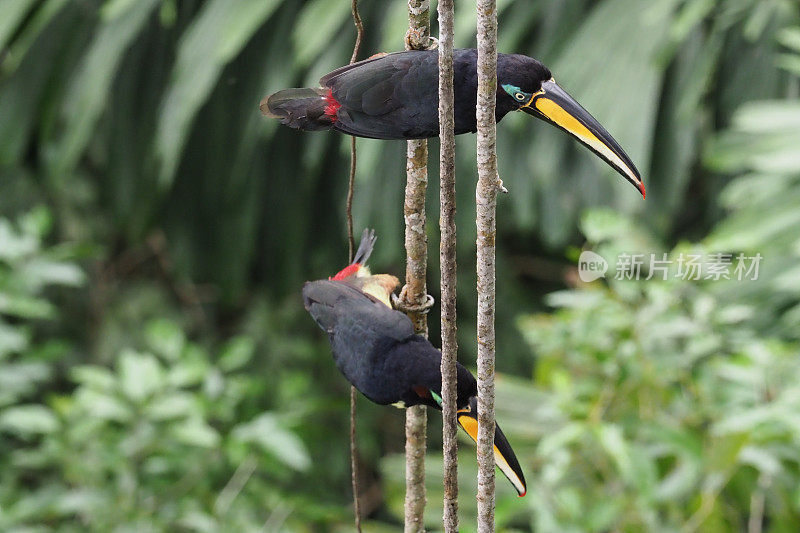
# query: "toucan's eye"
x,y
519,96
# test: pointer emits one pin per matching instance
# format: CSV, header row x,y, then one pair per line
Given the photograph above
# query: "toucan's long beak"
x,y
504,456
554,105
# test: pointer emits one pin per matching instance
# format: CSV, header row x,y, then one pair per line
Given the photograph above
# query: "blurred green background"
x,y
158,372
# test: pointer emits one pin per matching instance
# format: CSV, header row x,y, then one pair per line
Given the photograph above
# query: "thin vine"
x,y
351,242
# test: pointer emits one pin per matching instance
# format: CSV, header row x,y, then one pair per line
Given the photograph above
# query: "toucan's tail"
x,y
504,456
358,266
303,109
368,239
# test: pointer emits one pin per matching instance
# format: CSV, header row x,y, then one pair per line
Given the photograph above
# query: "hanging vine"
x,y
351,243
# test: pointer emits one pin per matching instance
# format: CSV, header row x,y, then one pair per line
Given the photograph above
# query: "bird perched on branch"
x,y
395,96
376,349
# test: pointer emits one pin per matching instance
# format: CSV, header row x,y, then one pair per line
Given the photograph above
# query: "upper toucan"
x,y
376,349
395,96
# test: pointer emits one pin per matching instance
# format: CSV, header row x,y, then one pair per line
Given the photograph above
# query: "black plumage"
x,y
395,96
376,349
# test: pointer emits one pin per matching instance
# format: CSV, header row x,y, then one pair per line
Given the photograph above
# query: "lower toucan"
x,y
395,96
376,349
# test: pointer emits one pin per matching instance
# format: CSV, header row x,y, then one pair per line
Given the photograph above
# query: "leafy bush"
x,y
159,443
27,271
165,439
670,409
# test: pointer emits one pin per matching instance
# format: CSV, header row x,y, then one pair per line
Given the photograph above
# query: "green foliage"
x,y
668,408
164,439
762,145
26,271
160,441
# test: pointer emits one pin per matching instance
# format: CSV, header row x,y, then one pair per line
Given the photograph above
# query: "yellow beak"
x,y
554,105
504,456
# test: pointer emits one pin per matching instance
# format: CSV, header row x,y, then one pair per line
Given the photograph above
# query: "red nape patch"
x,y
332,109
346,272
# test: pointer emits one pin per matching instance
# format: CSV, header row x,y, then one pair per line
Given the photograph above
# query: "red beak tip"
x,y
641,190
523,494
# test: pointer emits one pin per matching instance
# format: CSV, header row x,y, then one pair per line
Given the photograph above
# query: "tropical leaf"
x,y
220,31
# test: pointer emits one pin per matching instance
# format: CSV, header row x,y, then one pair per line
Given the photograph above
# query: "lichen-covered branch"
x,y
486,207
447,256
414,293
418,36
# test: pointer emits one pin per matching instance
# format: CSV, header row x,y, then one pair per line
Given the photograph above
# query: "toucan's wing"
x,y
504,455
394,96
326,80
368,86
367,338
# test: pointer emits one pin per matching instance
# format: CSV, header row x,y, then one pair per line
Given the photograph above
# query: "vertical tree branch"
x,y
486,205
447,256
414,293
351,243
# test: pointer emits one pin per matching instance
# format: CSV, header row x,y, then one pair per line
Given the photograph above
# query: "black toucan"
x,y
395,96
376,349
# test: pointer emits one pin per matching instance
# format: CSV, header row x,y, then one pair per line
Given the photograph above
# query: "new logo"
x,y
591,266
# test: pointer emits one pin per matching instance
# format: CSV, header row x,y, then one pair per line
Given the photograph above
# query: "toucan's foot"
x,y
414,41
401,303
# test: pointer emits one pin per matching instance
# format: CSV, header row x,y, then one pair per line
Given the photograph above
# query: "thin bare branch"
x,y
447,256
486,207
359,30
352,180
414,293
351,186
354,460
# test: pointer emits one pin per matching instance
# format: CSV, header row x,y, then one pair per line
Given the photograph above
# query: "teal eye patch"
x,y
516,93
